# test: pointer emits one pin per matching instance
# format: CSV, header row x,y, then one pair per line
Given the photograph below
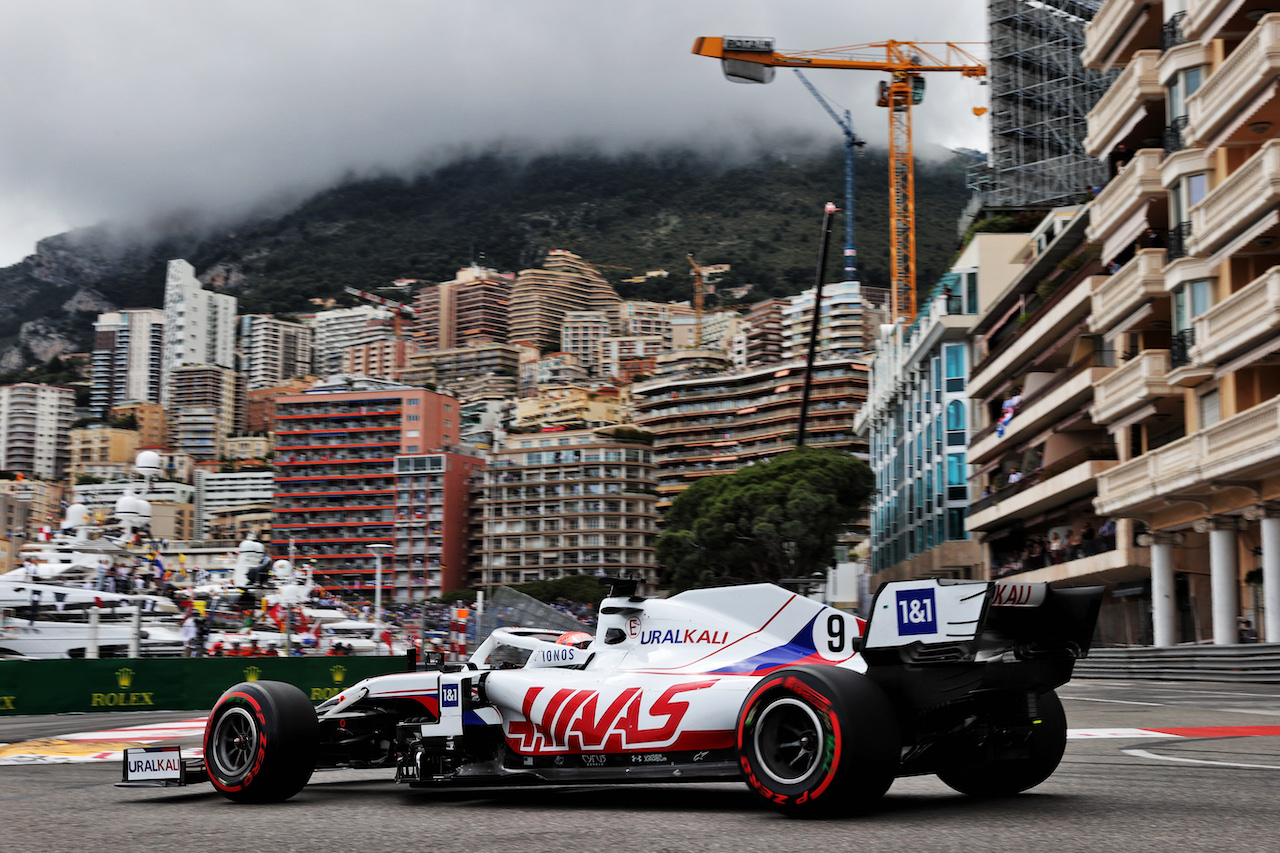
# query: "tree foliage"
x,y
773,520
585,589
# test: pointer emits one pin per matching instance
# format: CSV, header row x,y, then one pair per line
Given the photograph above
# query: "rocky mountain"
x,y
629,213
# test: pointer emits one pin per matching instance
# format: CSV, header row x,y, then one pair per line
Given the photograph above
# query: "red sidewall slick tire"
x,y
261,742
817,741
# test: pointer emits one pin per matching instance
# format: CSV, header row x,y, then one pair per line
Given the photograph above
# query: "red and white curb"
x,y
101,745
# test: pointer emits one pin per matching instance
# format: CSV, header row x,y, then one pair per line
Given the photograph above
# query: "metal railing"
x,y
1179,236
1180,344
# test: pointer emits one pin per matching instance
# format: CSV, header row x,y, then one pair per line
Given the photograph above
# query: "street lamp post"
x,y
378,549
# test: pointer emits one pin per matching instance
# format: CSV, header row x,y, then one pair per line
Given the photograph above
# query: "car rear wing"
x,y
942,620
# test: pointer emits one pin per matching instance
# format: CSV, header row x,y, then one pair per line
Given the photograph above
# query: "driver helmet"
x,y
577,639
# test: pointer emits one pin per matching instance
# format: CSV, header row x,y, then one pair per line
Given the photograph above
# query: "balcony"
x,y
1064,487
1064,395
1119,295
1226,99
1244,319
1138,381
1055,318
1138,183
1118,29
1124,104
1245,446
1206,19
1238,203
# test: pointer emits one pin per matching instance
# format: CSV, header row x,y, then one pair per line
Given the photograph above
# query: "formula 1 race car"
x,y
815,709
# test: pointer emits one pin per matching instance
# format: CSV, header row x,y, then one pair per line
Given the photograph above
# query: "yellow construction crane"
x,y
752,60
699,284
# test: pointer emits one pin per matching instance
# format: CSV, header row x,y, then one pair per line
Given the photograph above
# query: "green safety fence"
x,y
169,684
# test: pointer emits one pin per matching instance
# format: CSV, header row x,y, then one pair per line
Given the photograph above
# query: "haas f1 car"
x,y
816,710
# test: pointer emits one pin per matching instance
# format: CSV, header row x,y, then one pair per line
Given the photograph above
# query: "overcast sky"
x,y
124,110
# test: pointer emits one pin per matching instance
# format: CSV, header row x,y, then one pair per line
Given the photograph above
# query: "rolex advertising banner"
x,y
173,684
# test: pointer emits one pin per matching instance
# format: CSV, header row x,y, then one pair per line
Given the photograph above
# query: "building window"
x,y
955,469
971,293
955,523
955,424
953,355
1190,300
1210,409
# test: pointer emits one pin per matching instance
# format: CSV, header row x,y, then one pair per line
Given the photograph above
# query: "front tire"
x,y
261,742
1004,777
814,740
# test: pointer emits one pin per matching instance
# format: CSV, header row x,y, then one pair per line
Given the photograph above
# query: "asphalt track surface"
x,y
1115,791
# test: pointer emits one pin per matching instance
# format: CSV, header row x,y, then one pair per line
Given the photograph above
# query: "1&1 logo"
x,y
917,612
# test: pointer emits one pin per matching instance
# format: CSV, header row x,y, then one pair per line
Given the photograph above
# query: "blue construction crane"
x,y
851,141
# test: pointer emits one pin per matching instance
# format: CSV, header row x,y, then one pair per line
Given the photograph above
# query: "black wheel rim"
x,y
235,741
788,739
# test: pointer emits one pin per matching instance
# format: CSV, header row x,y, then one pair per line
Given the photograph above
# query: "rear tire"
x,y
818,740
261,742
1004,777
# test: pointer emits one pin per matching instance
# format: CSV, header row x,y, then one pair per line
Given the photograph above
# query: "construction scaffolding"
x,y
1040,95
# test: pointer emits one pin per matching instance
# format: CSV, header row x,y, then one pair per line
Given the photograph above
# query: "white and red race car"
x,y
815,709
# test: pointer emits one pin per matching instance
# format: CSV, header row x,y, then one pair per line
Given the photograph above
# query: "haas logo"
x,y
577,720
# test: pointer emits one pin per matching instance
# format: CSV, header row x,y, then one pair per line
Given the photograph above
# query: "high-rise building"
x,y
35,421
340,328
577,502
622,358
150,420
382,359
127,358
360,461
917,423
581,333
1189,228
484,368
475,304
207,405
541,298
841,327
199,326
761,333
273,350
716,422
217,492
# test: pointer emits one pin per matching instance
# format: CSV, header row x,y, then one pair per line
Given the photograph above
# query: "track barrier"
x,y
170,684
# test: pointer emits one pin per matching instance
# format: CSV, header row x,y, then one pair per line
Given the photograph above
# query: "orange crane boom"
x,y
747,59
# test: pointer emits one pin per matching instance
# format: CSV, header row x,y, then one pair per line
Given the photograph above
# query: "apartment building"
x,y
347,457
566,503
150,420
556,368
273,350
34,423
580,336
570,406
218,493
103,451
841,325
127,358
483,368
199,326
337,329
541,298
382,359
621,358
1037,452
760,339
44,502
476,303
707,423
1189,223
207,406
917,423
